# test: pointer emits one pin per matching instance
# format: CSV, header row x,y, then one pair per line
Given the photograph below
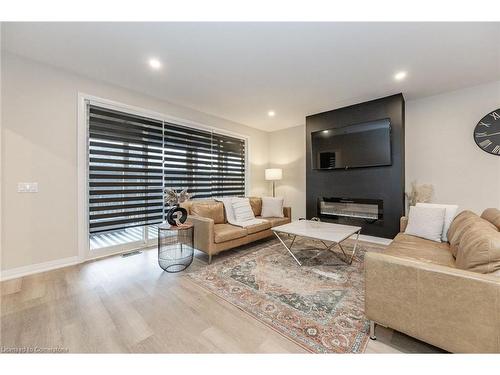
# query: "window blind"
x,y
125,170
132,159
205,163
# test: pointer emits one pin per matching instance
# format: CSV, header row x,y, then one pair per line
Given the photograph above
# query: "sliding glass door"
x,y
132,159
125,178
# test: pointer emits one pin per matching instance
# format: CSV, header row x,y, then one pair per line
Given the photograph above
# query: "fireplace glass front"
x,y
370,210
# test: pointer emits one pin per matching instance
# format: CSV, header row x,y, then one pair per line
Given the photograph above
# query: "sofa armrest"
x,y
203,232
453,309
287,211
403,222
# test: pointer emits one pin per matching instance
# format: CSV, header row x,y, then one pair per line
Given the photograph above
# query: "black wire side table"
x,y
175,246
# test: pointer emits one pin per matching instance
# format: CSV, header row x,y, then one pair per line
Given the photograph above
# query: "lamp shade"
x,y
273,174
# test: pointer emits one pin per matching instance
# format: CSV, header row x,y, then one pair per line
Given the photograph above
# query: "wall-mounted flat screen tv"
x,y
367,144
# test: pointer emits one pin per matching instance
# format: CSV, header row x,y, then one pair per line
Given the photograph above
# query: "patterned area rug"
x,y
320,305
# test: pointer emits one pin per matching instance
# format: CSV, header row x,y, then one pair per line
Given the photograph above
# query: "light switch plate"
x,y
27,187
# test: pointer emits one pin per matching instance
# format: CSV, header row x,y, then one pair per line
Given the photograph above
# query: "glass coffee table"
x,y
329,234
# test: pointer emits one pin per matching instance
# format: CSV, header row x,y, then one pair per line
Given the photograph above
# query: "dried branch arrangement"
x,y
419,193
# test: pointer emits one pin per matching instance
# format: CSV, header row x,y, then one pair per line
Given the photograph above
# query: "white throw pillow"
x,y
242,209
426,222
272,207
451,212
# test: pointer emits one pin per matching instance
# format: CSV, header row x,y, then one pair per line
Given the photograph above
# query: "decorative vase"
x,y
176,215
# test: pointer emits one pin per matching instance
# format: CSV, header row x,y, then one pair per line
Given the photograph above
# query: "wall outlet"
x,y
27,187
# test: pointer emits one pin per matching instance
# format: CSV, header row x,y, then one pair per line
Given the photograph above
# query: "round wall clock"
x,y
487,133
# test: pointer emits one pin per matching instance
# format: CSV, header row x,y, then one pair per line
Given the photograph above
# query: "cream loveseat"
x,y
212,232
446,294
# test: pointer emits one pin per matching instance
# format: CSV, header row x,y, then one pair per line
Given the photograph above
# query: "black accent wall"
x,y
386,183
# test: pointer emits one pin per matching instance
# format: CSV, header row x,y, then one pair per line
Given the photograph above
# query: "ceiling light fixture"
x,y
271,113
155,63
399,76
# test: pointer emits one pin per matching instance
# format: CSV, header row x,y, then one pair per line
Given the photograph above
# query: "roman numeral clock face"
x,y
487,133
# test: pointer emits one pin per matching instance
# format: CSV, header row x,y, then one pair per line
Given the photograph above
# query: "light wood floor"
x,y
130,305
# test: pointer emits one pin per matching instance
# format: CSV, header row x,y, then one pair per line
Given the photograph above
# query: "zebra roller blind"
x,y
207,164
133,158
125,170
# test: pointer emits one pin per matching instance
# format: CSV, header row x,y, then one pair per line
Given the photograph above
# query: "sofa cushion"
x,y
457,228
242,209
426,222
479,249
408,246
272,207
210,209
187,204
275,221
258,227
228,232
460,225
256,204
492,215
449,215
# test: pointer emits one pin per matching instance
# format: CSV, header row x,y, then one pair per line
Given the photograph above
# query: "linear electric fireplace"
x,y
343,209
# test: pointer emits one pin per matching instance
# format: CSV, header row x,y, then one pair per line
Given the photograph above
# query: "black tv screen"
x,y
367,144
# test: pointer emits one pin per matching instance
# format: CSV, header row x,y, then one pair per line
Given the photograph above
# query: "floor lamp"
x,y
274,174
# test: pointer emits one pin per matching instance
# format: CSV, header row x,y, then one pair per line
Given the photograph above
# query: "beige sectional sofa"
x,y
446,294
212,232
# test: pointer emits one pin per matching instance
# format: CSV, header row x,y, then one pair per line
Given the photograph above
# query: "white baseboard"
x,y
14,273
378,240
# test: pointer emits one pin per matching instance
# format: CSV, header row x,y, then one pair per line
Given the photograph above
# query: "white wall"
x,y
440,149
287,151
39,144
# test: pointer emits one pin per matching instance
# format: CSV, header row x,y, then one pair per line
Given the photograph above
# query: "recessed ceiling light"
x,y
399,76
271,113
155,63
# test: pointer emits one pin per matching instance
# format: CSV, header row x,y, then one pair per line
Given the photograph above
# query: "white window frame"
x,y
84,100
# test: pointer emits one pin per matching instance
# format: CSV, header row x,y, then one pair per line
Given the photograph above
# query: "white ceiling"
x,y
239,71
